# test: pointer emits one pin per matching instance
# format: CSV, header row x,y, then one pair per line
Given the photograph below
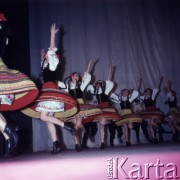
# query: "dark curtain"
x,y
17,56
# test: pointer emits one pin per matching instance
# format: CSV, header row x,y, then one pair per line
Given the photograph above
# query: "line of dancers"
x,y
77,106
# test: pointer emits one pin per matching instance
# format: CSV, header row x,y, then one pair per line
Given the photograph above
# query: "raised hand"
x,y
138,86
160,81
91,65
111,71
53,29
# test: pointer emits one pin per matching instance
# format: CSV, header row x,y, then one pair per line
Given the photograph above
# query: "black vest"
x,y
76,93
102,98
48,75
172,103
149,102
125,104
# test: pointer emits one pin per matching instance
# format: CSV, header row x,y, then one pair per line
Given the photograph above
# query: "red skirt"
x,y
50,92
85,111
107,112
19,84
103,115
157,115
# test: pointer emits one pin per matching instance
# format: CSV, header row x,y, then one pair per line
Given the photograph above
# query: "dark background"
x,y
18,57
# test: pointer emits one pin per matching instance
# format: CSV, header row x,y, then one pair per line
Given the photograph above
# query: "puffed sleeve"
x,y
85,81
90,88
52,59
109,86
63,85
114,98
154,94
134,95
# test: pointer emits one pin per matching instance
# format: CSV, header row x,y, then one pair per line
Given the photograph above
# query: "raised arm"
x,y
51,55
91,65
111,72
87,76
53,31
138,86
160,82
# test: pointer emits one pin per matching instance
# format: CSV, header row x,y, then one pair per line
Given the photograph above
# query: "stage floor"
x,y
143,161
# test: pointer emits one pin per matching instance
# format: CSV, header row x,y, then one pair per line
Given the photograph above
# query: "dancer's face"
x,y
125,93
75,77
147,93
100,84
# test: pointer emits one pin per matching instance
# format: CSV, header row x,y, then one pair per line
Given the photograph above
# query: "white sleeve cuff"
x,y
109,86
90,88
85,80
52,58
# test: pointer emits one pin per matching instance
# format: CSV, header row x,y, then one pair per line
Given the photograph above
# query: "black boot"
x,y
112,142
84,141
56,148
69,128
154,140
175,137
128,144
11,143
102,145
120,140
78,148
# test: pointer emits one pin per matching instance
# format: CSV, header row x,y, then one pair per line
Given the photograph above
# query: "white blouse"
x,y
51,59
117,99
155,92
109,86
85,81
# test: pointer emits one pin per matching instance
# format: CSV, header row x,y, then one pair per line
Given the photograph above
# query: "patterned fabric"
x,y
104,115
51,94
107,112
50,106
13,81
105,107
128,116
17,84
158,116
85,110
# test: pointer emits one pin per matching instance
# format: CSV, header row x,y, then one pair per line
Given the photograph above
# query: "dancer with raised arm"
x,y
52,104
75,86
125,98
102,90
152,115
173,116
